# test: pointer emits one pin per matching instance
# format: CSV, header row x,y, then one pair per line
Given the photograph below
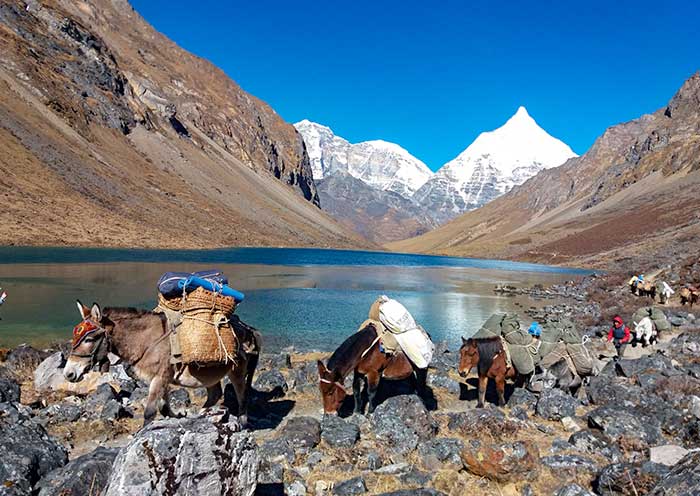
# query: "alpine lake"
x,y
311,299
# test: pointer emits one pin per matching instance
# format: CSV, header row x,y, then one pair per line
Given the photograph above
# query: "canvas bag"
x,y
412,338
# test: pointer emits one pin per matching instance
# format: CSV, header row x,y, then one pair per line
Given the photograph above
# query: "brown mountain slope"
x,y
112,135
635,193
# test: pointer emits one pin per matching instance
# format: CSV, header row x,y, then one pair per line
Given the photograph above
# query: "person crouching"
x,y
620,335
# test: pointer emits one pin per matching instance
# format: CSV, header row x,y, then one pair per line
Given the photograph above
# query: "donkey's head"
x,y
332,389
89,346
468,356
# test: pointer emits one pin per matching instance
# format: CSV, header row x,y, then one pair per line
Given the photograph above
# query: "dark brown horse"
x,y
489,357
361,354
140,339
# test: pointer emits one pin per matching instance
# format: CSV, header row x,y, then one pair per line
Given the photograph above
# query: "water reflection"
x,y
310,307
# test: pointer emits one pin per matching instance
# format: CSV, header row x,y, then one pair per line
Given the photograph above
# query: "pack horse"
x,y
140,339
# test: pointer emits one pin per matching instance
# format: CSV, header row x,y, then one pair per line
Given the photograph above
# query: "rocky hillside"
x,y
379,216
636,192
105,120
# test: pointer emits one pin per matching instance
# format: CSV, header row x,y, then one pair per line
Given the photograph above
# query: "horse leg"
x,y
239,382
214,394
483,382
421,376
372,386
157,391
357,391
500,388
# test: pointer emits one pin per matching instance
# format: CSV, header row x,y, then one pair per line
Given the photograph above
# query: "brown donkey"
x,y
140,339
489,357
361,354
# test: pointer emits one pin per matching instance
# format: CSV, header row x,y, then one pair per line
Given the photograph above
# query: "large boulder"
x,y
523,398
683,479
555,404
629,479
87,474
501,461
595,442
339,433
401,422
48,376
476,422
618,421
441,453
194,455
28,452
301,432
9,390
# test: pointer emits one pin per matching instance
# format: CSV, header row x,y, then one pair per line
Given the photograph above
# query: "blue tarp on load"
x,y
169,283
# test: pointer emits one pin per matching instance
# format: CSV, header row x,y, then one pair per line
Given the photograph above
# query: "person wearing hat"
x,y
620,335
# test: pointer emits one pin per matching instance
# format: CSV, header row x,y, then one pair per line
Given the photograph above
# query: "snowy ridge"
x,y
381,164
494,163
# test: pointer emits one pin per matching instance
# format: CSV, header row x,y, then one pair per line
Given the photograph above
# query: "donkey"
x,y
361,354
489,357
647,289
689,295
140,339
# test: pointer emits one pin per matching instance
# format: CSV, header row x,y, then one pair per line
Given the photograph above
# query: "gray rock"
x,y
682,480
523,398
555,404
654,363
295,488
114,410
9,391
271,382
476,422
25,357
179,399
573,490
373,461
617,421
415,477
301,432
668,454
441,453
629,478
401,422
356,485
275,361
569,462
87,474
276,450
695,406
339,433
28,452
193,455
595,442
444,382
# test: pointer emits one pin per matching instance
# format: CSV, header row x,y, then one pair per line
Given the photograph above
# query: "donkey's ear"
x,y
96,313
464,341
321,368
84,311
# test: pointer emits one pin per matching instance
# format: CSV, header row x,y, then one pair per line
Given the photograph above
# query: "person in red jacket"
x,y
619,334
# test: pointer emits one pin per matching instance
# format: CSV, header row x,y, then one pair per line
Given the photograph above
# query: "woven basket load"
x,y
200,299
207,337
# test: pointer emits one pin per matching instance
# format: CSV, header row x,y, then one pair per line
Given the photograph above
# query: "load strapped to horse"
x,y
648,323
396,328
199,308
521,348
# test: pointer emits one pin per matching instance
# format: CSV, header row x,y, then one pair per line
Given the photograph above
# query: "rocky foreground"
x,y
632,430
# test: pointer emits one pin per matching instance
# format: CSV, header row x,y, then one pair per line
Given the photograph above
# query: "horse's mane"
x,y
345,357
125,312
488,349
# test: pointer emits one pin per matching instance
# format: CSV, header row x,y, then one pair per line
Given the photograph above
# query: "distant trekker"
x,y
619,334
535,330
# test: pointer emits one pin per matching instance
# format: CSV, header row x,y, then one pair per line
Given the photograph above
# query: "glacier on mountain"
x,y
381,164
494,163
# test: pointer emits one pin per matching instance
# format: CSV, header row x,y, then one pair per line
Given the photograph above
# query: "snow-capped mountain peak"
x,y
495,162
379,163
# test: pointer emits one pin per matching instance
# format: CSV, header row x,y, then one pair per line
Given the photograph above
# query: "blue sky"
x,y
431,76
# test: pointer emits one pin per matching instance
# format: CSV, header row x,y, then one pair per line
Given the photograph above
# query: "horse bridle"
x,y
335,383
102,346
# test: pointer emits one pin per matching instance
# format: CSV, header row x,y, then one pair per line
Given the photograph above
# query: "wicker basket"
x,y
206,337
200,299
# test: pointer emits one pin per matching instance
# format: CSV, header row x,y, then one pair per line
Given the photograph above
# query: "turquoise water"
x,y
306,298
